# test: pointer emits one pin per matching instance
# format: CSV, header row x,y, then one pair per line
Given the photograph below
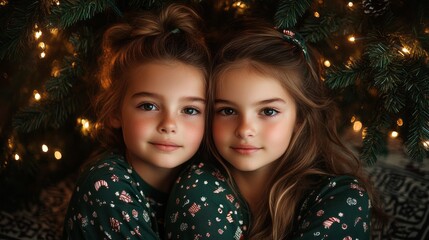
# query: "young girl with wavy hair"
x,y
151,111
273,132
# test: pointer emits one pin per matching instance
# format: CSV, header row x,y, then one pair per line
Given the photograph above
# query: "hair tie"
x,y
297,40
175,30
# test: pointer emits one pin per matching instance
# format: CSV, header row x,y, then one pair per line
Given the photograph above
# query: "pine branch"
x,y
418,91
394,101
71,12
47,114
17,24
340,78
315,29
149,4
374,141
289,11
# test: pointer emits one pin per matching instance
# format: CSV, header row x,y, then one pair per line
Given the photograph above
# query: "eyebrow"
x,y
266,101
159,96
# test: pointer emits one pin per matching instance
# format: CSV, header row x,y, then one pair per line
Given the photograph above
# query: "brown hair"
x,y
174,33
315,148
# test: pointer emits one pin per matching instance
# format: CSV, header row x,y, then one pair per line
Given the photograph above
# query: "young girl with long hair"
x,y
273,132
151,109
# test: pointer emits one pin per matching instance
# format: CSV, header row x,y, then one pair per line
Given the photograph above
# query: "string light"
x,y
55,72
54,31
350,4
405,50
56,2
240,6
42,45
86,125
352,38
399,122
364,132
45,148
353,119
58,155
10,143
37,96
394,134
316,14
327,63
3,2
357,126
426,145
16,157
38,34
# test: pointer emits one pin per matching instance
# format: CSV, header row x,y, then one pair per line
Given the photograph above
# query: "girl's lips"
x,y
246,150
165,146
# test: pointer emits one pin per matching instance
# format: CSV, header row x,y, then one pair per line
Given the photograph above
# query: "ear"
x,y
115,121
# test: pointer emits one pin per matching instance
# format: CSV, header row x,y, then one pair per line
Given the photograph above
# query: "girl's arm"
x,y
108,205
202,206
340,210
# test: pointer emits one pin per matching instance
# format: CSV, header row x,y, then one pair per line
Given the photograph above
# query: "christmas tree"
x,y
374,54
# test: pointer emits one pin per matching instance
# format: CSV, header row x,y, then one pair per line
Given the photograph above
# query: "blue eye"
x,y
226,111
269,112
148,106
191,111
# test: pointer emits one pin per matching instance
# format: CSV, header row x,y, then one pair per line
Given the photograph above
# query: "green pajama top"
x,y
203,206
111,201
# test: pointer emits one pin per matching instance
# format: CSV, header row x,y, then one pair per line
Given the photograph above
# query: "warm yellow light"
x,y
37,96
45,148
38,34
336,47
364,132
394,134
42,45
399,122
85,125
350,4
54,31
357,126
352,39
426,144
16,157
58,155
42,54
316,14
327,63
353,119
4,2
426,30
405,50
10,143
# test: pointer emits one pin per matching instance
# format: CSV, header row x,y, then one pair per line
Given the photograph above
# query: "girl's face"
x,y
162,114
254,119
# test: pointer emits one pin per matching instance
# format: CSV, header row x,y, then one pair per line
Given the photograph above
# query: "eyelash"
x,y
144,107
152,107
196,111
263,112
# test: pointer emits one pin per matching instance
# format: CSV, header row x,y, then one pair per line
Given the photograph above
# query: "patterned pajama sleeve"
x,y
109,204
202,206
339,210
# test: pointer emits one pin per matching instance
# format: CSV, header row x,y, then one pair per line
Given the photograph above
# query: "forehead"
x,y
165,75
244,84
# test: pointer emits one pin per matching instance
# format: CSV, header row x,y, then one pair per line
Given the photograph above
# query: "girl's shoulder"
x,y
336,205
203,171
333,188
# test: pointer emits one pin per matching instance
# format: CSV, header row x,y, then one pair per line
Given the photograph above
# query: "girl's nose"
x,y
245,128
167,124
